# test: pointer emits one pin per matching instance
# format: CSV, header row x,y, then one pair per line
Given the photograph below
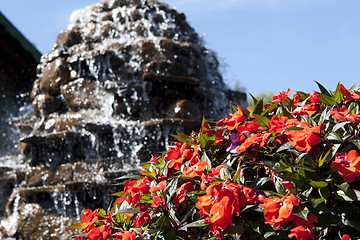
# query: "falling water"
x,y
118,81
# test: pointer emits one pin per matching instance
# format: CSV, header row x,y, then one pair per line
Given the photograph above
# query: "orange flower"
x,y
158,201
154,159
160,187
88,218
233,121
281,96
196,170
176,155
137,186
140,220
258,139
301,233
343,114
303,229
347,165
348,96
222,212
304,140
279,211
125,236
218,134
206,180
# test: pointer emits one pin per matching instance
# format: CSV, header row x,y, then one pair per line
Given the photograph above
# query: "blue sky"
x,y
264,45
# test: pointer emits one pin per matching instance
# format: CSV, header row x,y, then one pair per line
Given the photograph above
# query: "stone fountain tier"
x,y
118,81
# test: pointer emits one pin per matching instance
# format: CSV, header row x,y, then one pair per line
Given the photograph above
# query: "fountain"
x,y
119,80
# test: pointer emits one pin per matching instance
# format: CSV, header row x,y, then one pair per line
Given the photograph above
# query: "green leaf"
x,y
302,96
338,96
205,158
254,99
333,136
206,141
270,108
327,100
356,142
302,104
325,115
198,223
261,120
318,184
127,210
258,107
237,175
323,158
171,188
269,234
233,108
323,89
303,213
316,201
169,235
283,147
118,194
128,177
75,226
149,174
340,125
181,137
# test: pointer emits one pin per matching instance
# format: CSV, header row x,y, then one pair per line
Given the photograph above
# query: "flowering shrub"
x,y
289,169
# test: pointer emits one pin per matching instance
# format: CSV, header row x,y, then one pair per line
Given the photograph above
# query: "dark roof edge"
x,y
22,40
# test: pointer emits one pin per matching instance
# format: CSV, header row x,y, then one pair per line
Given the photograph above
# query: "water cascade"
x,y
119,80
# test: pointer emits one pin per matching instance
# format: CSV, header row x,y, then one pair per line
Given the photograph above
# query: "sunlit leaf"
x,y
318,184
323,89
261,120
199,223
75,226
327,100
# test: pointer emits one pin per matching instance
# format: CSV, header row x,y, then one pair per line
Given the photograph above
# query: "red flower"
x,y
288,185
222,212
281,96
301,233
303,229
101,233
309,223
181,193
348,96
154,159
279,211
160,187
304,140
206,180
343,114
80,238
140,220
176,155
258,139
88,218
125,236
137,186
196,170
158,201
233,121
345,237
218,134
348,165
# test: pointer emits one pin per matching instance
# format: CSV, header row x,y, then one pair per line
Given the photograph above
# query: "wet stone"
x,y
54,75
